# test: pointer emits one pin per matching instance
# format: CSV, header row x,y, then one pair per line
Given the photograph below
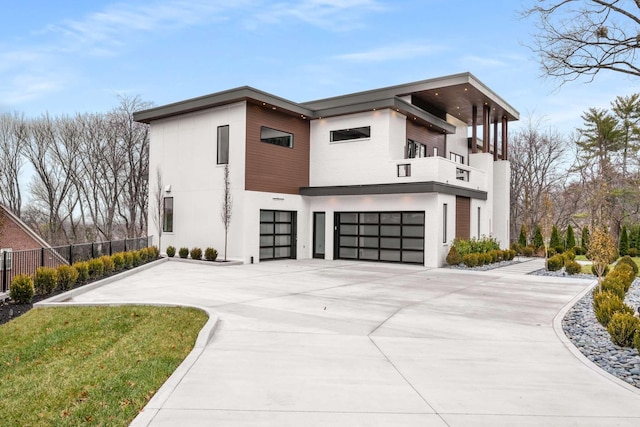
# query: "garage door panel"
x,y
277,231
380,236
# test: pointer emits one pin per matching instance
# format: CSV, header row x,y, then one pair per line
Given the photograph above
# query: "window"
x,y
223,145
456,158
478,222
349,134
167,215
276,137
4,251
444,223
416,150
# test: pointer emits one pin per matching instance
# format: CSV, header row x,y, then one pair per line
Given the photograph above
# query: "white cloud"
x,y
392,52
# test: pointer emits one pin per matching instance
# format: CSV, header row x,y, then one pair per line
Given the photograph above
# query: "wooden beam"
x,y
474,130
504,138
495,139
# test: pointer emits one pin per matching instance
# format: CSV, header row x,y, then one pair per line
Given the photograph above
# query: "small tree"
x,y
585,239
554,242
571,238
227,204
158,211
522,238
538,240
602,251
623,244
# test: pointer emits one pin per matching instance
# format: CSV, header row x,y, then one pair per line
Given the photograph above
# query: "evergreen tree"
x,y
538,240
554,242
634,237
623,245
571,238
585,239
522,238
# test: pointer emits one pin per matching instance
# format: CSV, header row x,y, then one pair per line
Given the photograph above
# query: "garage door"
x,y
277,235
380,236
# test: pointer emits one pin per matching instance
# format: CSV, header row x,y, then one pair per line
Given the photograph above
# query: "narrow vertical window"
x,y
478,222
223,145
444,223
167,215
5,255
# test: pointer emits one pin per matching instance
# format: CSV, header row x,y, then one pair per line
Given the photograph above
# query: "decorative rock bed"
x,y
592,339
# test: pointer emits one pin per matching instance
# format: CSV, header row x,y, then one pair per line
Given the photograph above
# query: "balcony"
x,y
439,169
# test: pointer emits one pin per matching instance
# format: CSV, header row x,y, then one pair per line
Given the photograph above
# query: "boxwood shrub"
x,y
453,257
118,261
171,251
606,304
628,261
622,329
210,254
82,267
67,277
183,252
572,267
22,289
470,260
196,253
45,280
96,268
108,264
555,263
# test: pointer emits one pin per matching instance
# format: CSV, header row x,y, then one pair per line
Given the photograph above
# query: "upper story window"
x,y
167,215
456,158
276,137
5,256
349,134
416,150
223,145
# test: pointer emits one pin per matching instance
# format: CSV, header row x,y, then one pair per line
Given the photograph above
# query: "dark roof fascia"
x,y
408,89
221,98
399,188
394,103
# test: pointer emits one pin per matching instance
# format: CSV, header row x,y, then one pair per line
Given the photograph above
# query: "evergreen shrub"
x,y
45,280
210,254
606,304
171,251
22,289
183,252
67,277
622,329
572,267
196,253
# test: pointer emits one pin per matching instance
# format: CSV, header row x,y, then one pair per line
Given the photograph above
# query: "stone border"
x,y
557,327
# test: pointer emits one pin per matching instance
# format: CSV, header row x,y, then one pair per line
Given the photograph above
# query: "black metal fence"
x,y
26,262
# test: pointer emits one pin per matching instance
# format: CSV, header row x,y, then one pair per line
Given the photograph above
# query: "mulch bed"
x,y
10,310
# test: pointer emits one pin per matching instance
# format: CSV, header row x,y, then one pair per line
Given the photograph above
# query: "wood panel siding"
x,y
427,137
273,168
463,217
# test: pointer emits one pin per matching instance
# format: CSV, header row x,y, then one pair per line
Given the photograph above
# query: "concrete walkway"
x,y
332,343
525,266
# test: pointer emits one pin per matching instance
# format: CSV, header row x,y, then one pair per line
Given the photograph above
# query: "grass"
x,y
74,366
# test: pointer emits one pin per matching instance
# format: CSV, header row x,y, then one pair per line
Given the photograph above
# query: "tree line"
x,y
588,178
88,173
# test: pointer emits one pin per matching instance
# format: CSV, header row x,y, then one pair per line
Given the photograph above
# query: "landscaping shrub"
x,y
632,252
606,304
211,254
623,244
496,255
154,253
22,289
171,251
128,259
196,253
516,247
555,263
571,238
569,255
470,260
636,340
528,251
136,260
522,238
551,252
453,257
631,263
45,280
622,329
625,273
108,264
488,259
144,255
67,277
554,242
614,284
96,268
183,252
512,254
82,267
538,240
578,250
118,261
572,267
586,236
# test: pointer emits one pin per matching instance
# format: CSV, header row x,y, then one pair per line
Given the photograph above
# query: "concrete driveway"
x,y
332,343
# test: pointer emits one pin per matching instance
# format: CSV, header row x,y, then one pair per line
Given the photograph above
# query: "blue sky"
x,y
70,56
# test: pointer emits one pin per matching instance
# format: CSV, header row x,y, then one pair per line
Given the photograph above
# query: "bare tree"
x,y
13,136
536,157
227,205
580,38
157,211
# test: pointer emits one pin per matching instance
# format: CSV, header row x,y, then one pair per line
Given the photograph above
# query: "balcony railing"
x,y
439,169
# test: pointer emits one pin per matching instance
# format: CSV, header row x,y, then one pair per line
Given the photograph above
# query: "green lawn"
x,y
74,366
587,268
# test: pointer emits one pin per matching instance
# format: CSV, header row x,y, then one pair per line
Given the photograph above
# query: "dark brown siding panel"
x,y
272,168
425,136
463,217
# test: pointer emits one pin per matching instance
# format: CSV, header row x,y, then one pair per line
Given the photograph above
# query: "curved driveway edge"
x,y
315,343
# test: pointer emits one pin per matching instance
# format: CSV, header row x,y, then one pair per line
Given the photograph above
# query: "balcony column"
x,y
504,138
495,139
474,129
486,129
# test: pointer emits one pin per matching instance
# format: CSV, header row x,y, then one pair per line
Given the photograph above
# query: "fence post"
x,y
110,248
70,254
93,251
125,244
41,257
4,272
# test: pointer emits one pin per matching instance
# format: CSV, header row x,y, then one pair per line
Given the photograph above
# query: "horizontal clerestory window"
x,y
276,137
350,134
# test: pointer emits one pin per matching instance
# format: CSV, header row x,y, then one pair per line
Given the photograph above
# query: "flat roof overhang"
x,y
396,188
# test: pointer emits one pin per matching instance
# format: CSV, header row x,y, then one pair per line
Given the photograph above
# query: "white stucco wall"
x,y
186,147
501,201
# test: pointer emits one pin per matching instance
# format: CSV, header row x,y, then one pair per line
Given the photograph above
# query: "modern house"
x,y
391,174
